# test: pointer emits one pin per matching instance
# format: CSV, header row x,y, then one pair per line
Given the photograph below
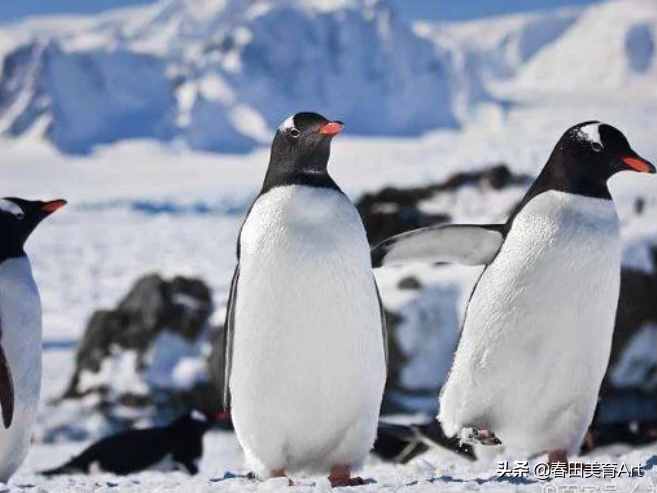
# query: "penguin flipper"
x,y
466,244
229,327
6,390
384,324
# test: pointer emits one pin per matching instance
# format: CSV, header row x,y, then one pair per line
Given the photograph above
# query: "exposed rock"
x,y
149,350
497,177
395,210
410,283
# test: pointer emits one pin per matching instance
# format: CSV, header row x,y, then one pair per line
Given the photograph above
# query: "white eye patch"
x,y
287,124
591,133
11,208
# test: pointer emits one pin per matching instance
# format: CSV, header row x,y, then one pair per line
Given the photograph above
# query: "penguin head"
x,y
18,218
595,151
303,143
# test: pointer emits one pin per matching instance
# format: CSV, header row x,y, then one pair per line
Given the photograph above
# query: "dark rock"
x,y
179,309
410,282
497,177
395,210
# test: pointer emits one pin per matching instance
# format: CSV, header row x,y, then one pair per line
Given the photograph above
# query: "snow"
x,y
434,471
174,362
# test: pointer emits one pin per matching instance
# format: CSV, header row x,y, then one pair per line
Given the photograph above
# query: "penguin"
x,y
163,448
536,336
20,329
401,443
305,331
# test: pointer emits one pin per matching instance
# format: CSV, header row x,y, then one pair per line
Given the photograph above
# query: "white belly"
x,y
308,360
20,315
537,335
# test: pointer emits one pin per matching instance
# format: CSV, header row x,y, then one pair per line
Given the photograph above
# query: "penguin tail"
x,y
54,472
67,468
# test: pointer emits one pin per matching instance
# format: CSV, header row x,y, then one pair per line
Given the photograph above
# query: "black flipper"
x,y
229,328
6,390
384,325
467,244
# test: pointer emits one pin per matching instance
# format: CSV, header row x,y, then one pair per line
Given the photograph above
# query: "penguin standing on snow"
x,y
538,327
305,355
20,330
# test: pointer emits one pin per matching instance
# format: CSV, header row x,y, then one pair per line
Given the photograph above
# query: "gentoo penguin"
x,y
537,332
161,448
305,354
20,330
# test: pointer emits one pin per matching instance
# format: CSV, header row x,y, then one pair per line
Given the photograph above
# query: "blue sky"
x,y
428,9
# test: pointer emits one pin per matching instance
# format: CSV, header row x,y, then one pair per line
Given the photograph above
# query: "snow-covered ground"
x,y
435,471
141,206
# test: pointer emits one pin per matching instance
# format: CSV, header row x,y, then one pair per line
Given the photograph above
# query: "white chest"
x,y
304,261
560,263
308,338
20,316
304,222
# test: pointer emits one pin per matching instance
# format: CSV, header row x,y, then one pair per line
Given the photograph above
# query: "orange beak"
x,y
331,128
53,205
639,164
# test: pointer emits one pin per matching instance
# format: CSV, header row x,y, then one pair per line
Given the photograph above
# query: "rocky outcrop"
x,y
150,350
395,210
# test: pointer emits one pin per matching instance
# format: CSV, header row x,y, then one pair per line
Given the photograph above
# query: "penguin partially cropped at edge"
x,y
537,333
20,330
305,344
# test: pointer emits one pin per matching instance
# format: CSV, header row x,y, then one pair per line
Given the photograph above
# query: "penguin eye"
x,y
596,147
294,133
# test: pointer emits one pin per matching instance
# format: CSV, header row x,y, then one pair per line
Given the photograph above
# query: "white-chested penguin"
x,y
538,327
305,355
20,330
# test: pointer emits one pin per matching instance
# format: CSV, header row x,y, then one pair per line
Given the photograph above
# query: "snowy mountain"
x,y
581,54
220,75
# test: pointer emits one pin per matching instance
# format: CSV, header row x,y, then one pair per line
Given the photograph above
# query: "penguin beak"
x,y
639,164
331,128
53,205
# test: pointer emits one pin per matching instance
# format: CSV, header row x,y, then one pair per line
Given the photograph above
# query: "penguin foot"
x,y
341,476
557,456
474,436
280,473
